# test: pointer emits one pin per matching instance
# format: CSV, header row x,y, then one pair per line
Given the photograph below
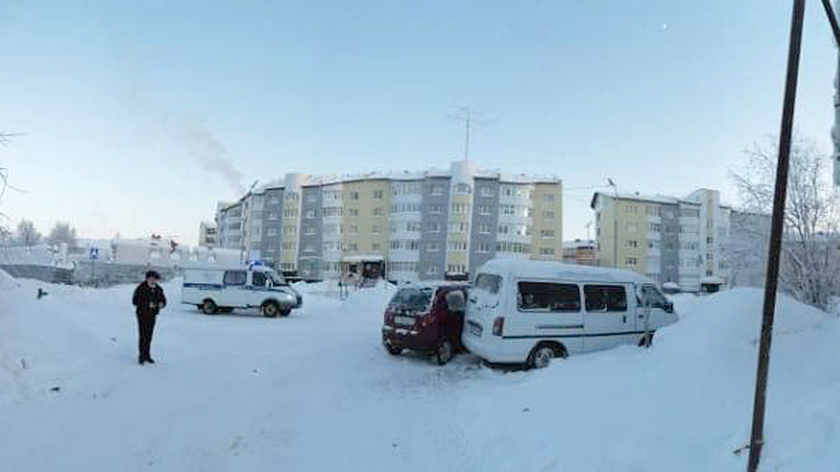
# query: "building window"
x,y
435,208
548,215
353,211
463,189
376,229
547,251
486,191
460,208
434,227
311,213
377,211
632,243
484,228
484,210
547,233
432,247
354,230
375,246
377,194
483,247
549,197
354,195
310,230
631,261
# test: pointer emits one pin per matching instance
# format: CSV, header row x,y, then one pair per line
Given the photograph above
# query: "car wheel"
x,y
444,352
285,312
543,354
270,309
393,350
209,307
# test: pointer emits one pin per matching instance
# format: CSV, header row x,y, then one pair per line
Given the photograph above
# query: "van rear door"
x,y
609,321
549,311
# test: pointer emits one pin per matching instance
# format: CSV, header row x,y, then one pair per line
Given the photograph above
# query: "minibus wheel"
x,y
543,353
270,309
444,352
209,307
647,340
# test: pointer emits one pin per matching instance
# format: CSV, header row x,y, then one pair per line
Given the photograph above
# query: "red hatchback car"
x,y
426,317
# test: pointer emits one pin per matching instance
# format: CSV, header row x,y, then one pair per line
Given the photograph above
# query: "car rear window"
x,y
488,282
412,299
545,296
605,298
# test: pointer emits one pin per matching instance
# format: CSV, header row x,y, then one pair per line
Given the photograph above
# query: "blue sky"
x,y
118,99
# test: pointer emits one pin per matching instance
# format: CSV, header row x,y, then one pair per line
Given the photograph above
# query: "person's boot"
x,y
150,360
140,360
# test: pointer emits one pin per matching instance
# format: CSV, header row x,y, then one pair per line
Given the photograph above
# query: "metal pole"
x,y
779,197
832,20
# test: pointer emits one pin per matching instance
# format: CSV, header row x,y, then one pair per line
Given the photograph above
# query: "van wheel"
x,y
543,353
209,307
647,340
393,350
270,309
444,352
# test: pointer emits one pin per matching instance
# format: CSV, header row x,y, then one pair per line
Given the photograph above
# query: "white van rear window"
x,y
488,282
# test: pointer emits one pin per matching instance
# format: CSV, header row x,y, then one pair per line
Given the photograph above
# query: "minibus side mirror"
x,y
455,301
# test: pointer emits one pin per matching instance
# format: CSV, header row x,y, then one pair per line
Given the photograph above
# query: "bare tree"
x,y
62,233
27,235
810,268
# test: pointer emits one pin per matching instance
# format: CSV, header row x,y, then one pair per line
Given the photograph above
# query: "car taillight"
x,y
498,326
389,317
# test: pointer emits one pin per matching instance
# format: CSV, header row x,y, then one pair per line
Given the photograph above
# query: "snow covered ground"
x,y
316,391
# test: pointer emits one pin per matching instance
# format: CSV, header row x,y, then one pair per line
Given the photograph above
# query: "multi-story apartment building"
x,y
207,236
424,225
680,240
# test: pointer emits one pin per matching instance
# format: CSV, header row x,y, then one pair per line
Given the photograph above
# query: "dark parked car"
x,y
426,317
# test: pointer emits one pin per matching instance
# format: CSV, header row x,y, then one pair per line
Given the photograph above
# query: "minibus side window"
x,y
542,296
235,277
258,279
605,298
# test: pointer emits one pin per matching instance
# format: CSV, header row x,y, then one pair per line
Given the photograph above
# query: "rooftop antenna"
x,y
611,183
467,115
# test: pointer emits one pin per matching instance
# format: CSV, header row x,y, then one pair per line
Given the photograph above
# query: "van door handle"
x,y
624,319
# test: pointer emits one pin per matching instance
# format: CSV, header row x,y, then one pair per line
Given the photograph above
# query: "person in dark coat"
x,y
149,300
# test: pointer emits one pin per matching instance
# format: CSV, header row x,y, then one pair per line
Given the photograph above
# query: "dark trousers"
x,y
145,328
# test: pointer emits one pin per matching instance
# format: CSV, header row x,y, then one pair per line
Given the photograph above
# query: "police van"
x,y
223,290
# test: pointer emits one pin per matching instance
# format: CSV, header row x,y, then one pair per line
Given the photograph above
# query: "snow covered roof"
x,y
559,270
579,243
434,284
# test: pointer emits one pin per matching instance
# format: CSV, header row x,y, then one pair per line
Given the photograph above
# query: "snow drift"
x,y
316,391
